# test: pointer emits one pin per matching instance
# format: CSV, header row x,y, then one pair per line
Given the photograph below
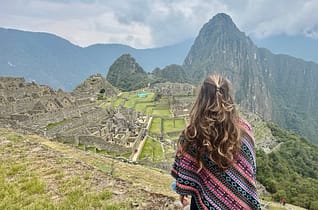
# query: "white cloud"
x,y
153,23
263,18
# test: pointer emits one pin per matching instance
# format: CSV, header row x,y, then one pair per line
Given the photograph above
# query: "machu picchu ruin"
x,y
97,115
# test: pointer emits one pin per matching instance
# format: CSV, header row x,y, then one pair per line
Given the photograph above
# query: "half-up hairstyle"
x,y
213,126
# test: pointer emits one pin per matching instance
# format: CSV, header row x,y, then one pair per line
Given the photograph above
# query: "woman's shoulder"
x,y
245,124
247,128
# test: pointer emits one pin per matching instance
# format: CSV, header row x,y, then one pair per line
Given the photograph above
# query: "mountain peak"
x,y
126,74
218,40
222,17
221,21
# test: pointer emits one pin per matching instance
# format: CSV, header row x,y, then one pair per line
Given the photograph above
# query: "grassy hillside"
x,y
36,173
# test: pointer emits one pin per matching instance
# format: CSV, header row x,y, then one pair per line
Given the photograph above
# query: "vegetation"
x,y
30,181
155,127
172,73
36,173
54,124
171,124
152,150
291,171
127,75
161,112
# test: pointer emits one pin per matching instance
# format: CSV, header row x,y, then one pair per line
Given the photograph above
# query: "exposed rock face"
x,y
278,87
126,74
221,48
293,87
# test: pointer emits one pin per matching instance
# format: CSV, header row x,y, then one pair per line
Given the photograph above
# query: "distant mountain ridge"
x,y
52,60
293,45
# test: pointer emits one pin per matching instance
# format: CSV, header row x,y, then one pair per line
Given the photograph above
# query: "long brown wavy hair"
x,y
213,123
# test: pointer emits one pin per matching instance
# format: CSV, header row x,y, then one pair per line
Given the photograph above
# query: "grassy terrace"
x,y
155,126
36,173
171,125
144,107
164,112
130,99
152,150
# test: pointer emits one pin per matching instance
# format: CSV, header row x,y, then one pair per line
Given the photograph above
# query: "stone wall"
x,y
94,141
174,89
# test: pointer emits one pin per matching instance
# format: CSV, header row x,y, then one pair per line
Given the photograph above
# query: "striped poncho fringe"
x,y
212,188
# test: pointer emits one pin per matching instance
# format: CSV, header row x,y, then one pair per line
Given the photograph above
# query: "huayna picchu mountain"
x,y
280,88
126,74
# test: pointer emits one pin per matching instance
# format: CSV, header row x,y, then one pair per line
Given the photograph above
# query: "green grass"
x,y
152,150
130,104
149,97
21,188
131,100
175,136
105,104
54,124
155,125
170,125
143,107
14,137
79,199
161,112
45,180
149,110
275,208
117,102
36,173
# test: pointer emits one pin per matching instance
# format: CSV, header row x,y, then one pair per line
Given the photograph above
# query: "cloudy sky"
x,y
155,23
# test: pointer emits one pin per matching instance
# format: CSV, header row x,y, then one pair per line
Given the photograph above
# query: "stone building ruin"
x,y
69,117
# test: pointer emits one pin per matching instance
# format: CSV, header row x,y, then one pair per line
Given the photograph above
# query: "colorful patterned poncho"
x,y
213,188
